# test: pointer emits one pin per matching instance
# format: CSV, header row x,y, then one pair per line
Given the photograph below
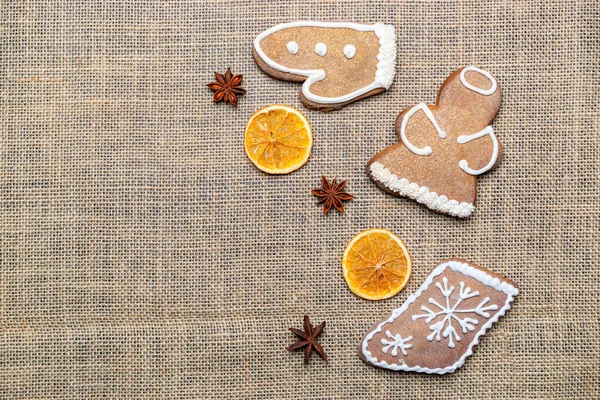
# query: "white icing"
x,y
349,51
425,151
464,165
386,66
467,270
421,194
321,49
452,312
292,47
396,343
487,92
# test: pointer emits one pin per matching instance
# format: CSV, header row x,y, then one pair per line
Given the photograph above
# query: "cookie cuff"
x,y
386,67
421,194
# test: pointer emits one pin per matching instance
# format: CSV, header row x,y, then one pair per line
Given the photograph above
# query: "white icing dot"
x,y
292,47
349,51
321,49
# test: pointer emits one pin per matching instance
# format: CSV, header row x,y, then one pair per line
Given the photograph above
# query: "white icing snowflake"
x,y
397,343
452,312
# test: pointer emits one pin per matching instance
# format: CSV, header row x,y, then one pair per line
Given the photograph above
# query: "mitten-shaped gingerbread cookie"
x,y
339,62
443,147
438,326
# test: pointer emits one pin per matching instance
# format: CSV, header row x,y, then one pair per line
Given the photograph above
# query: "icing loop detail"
x,y
349,51
292,47
321,49
424,151
487,92
462,139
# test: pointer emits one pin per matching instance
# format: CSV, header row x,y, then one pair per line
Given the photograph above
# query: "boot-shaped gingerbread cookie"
x,y
438,327
339,62
444,146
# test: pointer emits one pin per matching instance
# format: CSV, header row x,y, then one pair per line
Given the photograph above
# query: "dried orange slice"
x,y
278,139
376,264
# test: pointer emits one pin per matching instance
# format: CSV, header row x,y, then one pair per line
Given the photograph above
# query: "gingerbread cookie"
x,y
444,147
437,327
339,62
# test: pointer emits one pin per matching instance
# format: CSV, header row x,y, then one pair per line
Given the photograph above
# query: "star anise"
x,y
227,87
332,194
308,339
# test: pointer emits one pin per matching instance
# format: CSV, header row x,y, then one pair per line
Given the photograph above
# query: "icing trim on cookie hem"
x,y
386,66
421,194
467,270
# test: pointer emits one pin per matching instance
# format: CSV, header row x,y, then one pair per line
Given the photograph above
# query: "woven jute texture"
x,y
144,257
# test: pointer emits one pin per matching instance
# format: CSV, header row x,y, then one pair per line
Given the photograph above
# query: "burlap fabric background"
x,y
143,255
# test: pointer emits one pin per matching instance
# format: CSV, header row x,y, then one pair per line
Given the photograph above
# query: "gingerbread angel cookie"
x,y
339,62
443,147
438,326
